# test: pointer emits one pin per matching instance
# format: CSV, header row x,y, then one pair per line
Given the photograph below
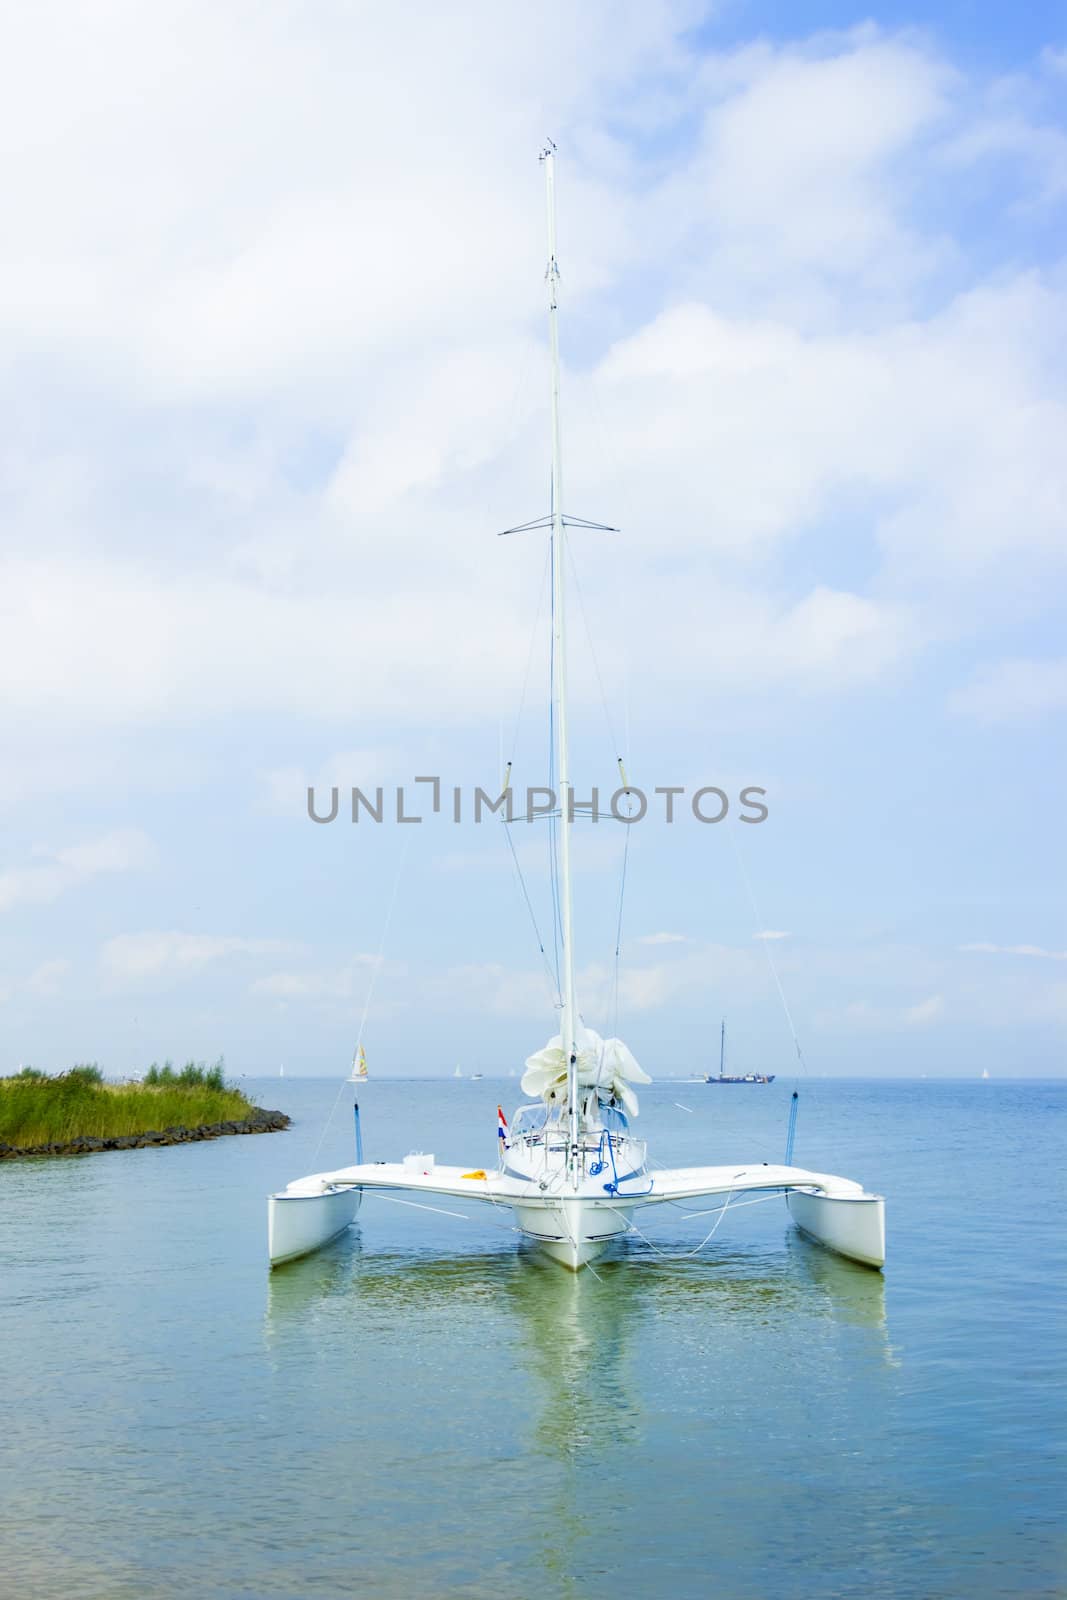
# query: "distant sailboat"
x,y
457,1073
748,1077
359,1073
985,1072
281,1072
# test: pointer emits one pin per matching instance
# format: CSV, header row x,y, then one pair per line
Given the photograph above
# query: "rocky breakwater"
x,y
258,1122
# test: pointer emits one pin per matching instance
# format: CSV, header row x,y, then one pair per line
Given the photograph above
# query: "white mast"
x,y
569,1021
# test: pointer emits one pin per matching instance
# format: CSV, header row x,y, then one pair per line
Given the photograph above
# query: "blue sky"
x,y
275,376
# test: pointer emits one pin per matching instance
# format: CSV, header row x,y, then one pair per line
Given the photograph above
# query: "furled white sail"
x,y
605,1065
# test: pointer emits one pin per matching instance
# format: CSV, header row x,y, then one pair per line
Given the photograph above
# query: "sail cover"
x,y
605,1065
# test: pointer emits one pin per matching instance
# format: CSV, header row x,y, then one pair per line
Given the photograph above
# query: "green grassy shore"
x,y
39,1110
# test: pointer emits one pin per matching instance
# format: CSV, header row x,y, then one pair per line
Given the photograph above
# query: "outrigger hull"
x,y
305,1217
851,1225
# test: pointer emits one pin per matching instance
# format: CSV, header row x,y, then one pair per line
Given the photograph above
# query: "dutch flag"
x,y
501,1124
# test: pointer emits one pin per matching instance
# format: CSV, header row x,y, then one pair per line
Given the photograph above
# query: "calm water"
x,y
424,1410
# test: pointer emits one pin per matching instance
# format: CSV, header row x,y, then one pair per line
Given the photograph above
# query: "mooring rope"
x,y
718,1212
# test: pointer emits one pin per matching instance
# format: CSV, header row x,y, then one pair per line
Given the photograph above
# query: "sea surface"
x,y
425,1408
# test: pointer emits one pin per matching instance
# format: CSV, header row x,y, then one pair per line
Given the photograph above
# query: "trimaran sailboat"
x,y
570,1169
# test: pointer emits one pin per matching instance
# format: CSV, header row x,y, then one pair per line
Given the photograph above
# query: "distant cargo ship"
x,y
749,1077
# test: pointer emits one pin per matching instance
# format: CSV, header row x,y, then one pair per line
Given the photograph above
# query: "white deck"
x,y
577,1224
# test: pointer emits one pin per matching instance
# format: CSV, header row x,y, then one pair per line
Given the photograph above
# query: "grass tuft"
x,y
35,1109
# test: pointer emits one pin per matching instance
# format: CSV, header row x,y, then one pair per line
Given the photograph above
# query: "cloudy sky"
x,y
274,375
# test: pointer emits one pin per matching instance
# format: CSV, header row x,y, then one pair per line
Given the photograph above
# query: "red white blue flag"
x,y
501,1124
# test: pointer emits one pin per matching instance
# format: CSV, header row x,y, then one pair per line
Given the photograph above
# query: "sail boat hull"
x,y
573,1230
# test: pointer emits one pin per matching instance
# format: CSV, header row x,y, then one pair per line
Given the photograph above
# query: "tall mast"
x,y
722,1046
568,1027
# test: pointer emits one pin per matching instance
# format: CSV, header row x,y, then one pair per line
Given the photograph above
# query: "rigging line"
x,y
738,1205
530,656
375,969
552,977
766,943
553,874
462,1216
679,1255
618,927
553,860
716,1211
615,747
553,889
618,753
616,470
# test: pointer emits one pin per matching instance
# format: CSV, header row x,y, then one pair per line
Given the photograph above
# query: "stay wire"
x,y
618,931
617,752
529,658
553,977
375,970
615,746
766,943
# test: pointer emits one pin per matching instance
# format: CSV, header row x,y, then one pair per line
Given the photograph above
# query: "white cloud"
x,y
861,1016
492,987
1016,950
594,852
123,850
798,155
335,983
413,371
1014,691
133,957
929,1010
942,435
771,933
286,787
662,938
264,423
46,978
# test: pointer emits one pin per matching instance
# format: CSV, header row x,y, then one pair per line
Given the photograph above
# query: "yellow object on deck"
x,y
478,1174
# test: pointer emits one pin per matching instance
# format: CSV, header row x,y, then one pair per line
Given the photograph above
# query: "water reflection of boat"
x,y
736,1293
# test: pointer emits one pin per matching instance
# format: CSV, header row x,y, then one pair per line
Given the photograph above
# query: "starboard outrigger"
x,y
570,1169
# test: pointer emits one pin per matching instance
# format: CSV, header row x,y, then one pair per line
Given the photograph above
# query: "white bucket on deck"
x,y
417,1162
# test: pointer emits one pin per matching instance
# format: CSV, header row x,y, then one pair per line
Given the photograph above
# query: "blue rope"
x,y
791,1135
359,1136
613,1187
